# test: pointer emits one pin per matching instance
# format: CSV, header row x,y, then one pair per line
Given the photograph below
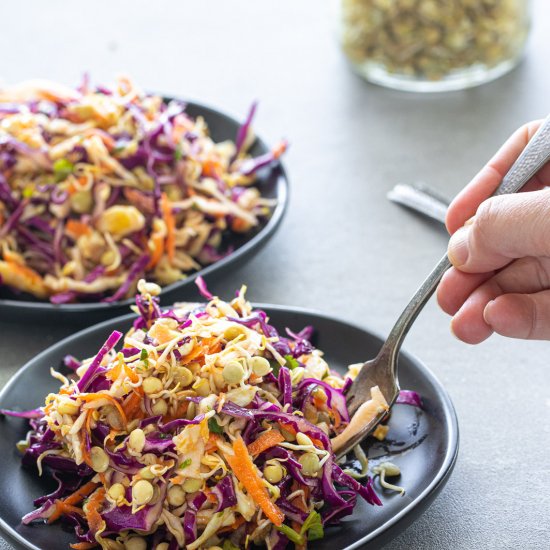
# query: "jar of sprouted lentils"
x,y
433,45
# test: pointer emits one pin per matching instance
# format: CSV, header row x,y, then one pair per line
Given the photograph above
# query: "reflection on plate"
x,y
273,185
423,443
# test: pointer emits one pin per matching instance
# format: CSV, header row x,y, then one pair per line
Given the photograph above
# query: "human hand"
x,y
500,250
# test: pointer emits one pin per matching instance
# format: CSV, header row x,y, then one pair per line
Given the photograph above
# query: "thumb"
x,y
504,228
524,316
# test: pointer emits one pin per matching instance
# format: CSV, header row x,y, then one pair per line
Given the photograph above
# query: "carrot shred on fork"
x,y
243,467
265,441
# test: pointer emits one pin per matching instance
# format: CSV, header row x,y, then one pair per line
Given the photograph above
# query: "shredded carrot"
x,y
83,545
197,351
93,516
67,504
85,454
112,435
26,272
77,229
233,527
89,421
279,149
62,509
177,480
287,427
114,373
13,257
319,403
79,494
298,501
170,221
317,442
161,333
212,443
239,225
244,469
211,168
107,140
205,347
210,496
87,397
211,345
132,404
133,376
158,250
265,441
180,411
337,418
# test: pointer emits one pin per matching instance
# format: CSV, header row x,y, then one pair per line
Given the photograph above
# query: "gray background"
x,y
342,247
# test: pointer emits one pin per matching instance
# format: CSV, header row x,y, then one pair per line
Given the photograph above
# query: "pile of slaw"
x,y
207,429
100,187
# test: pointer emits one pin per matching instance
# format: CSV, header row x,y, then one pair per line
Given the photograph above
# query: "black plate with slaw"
x,y
273,184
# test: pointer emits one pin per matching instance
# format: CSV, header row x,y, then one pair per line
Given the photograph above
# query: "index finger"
x,y
466,203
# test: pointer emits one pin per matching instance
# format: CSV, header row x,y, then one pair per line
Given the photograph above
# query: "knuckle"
x,y
541,273
486,217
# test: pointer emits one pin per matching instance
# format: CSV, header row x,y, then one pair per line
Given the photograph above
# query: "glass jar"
x,y
433,45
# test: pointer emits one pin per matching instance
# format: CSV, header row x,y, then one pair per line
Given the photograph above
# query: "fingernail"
x,y
486,312
458,247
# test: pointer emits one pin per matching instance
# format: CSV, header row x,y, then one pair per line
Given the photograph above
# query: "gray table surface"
x,y
343,247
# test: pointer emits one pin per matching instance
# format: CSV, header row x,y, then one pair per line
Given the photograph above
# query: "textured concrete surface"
x,y
342,247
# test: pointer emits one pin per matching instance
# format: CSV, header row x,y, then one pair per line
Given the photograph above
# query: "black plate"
x,y
424,444
273,185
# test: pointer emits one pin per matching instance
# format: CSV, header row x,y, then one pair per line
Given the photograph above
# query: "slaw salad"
x,y
100,187
206,429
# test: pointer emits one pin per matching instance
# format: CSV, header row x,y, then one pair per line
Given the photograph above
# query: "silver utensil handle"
x,y
535,155
420,198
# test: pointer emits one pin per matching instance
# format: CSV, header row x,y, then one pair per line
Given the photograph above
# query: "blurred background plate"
x,y
272,183
423,443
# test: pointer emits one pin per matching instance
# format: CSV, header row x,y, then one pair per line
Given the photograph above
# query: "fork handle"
x,y
535,155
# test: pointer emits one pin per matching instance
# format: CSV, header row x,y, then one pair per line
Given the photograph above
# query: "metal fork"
x,y
382,370
422,199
